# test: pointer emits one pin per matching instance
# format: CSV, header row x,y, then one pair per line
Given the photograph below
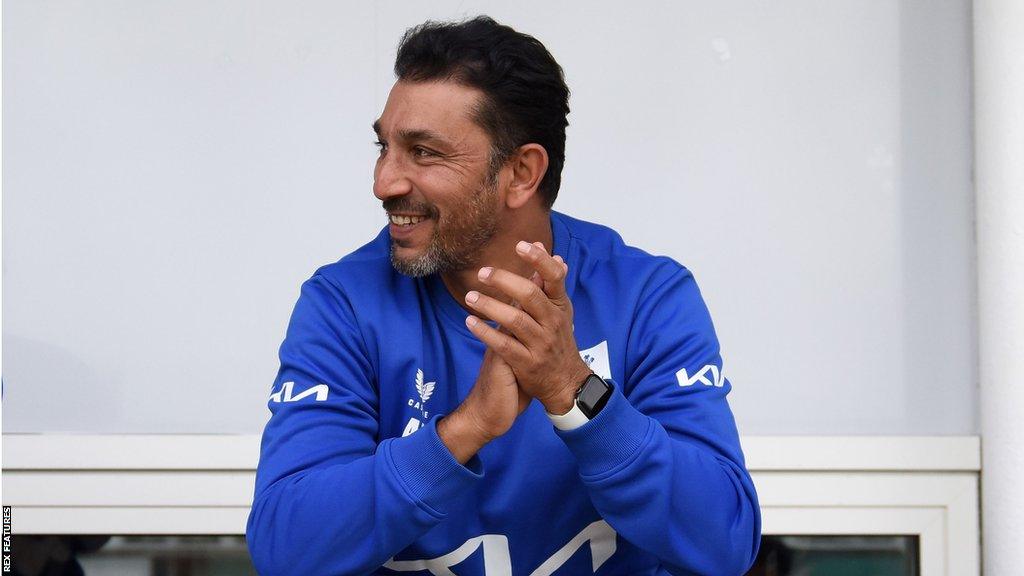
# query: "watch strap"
x,y
570,420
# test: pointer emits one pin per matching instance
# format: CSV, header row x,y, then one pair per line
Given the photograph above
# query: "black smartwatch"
x,y
591,397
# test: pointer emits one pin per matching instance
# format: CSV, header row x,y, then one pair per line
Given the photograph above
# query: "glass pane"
x,y
837,556
132,555
228,556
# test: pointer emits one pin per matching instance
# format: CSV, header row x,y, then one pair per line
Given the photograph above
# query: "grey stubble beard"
x,y
446,253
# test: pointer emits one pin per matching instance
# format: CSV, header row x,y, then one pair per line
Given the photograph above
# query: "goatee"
x,y
457,239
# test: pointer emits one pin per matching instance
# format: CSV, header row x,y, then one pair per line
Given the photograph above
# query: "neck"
x,y
500,252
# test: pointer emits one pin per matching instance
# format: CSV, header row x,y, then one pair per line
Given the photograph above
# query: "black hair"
x,y
525,96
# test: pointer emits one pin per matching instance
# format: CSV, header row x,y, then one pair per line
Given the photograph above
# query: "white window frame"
x,y
202,484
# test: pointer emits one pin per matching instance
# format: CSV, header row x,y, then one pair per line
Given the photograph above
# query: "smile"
x,y
405,220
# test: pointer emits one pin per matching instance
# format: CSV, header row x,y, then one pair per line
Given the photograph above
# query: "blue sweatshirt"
x,y
353,478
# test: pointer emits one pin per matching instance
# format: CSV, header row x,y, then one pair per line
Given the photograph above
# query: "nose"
x,y
390,178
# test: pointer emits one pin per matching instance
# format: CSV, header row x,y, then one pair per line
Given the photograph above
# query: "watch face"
x,y
593,395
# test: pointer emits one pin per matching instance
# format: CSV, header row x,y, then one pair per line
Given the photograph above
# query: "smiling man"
x,y
490,386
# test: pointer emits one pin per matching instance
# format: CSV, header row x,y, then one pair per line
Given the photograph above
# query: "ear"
x,y
529,164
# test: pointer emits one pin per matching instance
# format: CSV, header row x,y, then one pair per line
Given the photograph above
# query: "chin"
x,y
415,263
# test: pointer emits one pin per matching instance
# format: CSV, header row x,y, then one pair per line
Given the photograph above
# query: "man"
x,y
491,387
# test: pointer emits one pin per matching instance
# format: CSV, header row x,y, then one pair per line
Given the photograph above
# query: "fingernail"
x,y
471,321
472,296
540,245
523,247
485,273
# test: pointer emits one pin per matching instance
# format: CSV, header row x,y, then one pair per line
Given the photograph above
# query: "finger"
x,y
529,295
536,279
550,269
558,259
510,349
512,318
555,257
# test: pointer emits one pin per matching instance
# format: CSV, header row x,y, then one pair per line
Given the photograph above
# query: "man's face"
x,y
434,178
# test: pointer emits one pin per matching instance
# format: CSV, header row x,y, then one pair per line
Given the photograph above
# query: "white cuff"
x,y
569,421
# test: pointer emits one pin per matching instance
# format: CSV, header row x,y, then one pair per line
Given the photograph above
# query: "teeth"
x,y
405,220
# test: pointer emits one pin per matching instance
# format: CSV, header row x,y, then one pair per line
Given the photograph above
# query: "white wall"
x,y
173,171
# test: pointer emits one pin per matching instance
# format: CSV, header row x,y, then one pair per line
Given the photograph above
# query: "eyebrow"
x,y
414,135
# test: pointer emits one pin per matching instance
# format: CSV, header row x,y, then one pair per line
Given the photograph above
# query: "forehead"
x,y
444,108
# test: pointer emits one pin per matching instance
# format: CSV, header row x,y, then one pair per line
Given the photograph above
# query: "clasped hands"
x,y
532,354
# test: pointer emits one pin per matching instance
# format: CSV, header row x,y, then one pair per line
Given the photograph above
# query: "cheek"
x,y
449,195
445,183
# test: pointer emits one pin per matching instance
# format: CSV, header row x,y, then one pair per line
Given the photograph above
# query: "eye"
x,y
421,152
382,147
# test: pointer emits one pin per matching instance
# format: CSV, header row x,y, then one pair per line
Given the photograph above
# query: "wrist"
x,y
560,404
460,436
593,395
564,400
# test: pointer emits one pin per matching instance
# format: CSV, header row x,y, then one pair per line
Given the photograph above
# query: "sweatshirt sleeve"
x,y
662,461
328,498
